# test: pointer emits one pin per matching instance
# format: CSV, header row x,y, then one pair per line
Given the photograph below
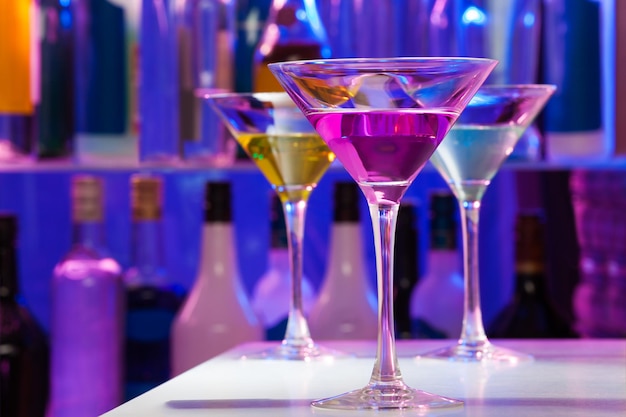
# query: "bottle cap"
x,y
217,202
8,229
346,199
146,197
87,196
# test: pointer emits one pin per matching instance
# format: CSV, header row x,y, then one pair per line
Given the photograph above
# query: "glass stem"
x,y
386,371
297,333
473,332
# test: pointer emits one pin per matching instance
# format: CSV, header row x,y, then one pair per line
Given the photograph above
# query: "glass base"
x,y
307,352
373,397
477,352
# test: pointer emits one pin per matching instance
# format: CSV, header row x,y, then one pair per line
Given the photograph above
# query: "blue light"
x,y
301,15
473,15
65,17
65,3
529,19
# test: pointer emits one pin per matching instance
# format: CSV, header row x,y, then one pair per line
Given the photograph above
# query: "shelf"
x,y
617,163
70,166
243,166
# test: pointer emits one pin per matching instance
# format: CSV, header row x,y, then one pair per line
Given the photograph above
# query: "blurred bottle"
x,y
616,252
293,31
152,299
36,80
251,17
87,320
468,28
589,303
370,28
437,302
598,201
405,267
616,261
205,35
158,95
572,61
105,54
216,315
19,80
346,305
272,294
56,121
24,353
530,313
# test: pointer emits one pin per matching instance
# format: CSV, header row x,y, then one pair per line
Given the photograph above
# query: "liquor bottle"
x,y
19,71
37,79
405,268
107,59
573,117
158,97
437,302
152,299
55,113
292,31
251,17
205,41
87,320
216,315
346,305
102,70
272,294
24,351
530,313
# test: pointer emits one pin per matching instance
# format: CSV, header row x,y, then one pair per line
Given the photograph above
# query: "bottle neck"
x,y
147,259
443,237
89,235
9,285
286,15
530,282
529,256
346,263
443,263
218,257
278,236
278,260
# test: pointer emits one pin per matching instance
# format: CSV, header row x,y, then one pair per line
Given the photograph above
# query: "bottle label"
x,y
15,57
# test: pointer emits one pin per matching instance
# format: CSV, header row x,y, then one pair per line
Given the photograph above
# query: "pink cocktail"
x,y
383,119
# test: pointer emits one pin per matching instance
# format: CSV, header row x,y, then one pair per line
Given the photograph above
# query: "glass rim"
x,y
278,99
517,86
360,61
208,93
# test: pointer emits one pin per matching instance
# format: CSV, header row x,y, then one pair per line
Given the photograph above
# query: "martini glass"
x,y
383,118
482,138
293,158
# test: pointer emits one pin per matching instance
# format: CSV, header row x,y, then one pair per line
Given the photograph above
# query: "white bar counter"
x,y
568,378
